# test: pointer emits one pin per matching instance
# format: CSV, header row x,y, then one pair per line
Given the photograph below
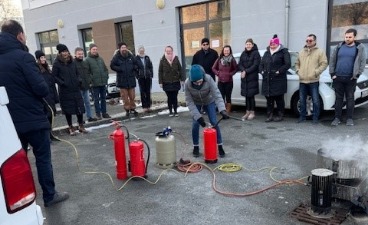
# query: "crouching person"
x,y
201,90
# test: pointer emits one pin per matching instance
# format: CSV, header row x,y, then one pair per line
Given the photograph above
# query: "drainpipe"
x,y
287,7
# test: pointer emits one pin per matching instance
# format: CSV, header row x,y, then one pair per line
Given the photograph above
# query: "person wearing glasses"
x,y
311,62
206,57
347,62
274,66
201,90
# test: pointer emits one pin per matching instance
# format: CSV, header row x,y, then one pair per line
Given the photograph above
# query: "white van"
x,y
17,188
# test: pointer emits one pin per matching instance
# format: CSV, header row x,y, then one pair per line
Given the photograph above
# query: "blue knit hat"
x,y
196,73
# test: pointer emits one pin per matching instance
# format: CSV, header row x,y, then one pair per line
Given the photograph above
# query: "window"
x,y
48,41
125,34
211,20
345,14
87,39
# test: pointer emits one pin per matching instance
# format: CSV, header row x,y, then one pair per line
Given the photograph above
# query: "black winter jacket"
x,y
145,71
126,68
25,86
67,77
206,60
53,97
249,62
274,71
84,75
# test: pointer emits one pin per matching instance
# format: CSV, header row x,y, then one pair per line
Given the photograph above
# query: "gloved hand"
x,y
201,122
224,115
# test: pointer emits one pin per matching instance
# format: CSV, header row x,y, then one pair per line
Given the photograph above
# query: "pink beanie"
x,y
275,40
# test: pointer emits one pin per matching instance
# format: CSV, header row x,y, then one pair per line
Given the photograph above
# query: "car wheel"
x,y
295,105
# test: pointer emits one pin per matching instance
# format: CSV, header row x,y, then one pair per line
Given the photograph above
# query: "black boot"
x,y
196,151
127,113
221,151
279,117
269,117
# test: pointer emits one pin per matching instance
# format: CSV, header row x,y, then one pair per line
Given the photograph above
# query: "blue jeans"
x,y
87,104
99,95
40,142
211,112
344,86
313,90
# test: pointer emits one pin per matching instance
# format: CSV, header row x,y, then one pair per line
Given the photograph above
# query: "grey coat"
x,y
359,62
207,94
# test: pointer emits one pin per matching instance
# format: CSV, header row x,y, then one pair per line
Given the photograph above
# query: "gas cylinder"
x,y
165,149
137,165
210,145
119,147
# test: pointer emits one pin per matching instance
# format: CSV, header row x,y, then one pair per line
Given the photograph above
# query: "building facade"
x,y
182,24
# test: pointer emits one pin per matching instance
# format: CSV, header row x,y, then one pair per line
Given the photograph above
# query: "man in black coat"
x,y
26,88
206,57
125,65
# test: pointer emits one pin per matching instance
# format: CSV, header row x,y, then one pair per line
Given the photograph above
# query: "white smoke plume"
x,y
348,149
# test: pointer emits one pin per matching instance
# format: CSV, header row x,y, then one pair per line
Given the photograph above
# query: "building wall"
x,y
155,28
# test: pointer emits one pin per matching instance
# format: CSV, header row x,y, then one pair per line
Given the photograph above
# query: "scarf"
x,y
226,60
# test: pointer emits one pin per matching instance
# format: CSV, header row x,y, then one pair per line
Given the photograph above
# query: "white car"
x,y
326,91
18,193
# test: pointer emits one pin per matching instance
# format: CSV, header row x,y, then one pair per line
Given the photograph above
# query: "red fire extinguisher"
x,y
137,166
210,145
119,146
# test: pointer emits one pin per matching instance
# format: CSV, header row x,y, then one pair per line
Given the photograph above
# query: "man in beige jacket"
x,y
311,62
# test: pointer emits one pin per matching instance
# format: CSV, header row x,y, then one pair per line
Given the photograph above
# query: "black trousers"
x,y
280,102
250,103
69,119
145,85
226,89
172,100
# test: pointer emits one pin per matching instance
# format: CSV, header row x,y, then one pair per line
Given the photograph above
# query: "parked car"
x,y
18,192
326,91
112,90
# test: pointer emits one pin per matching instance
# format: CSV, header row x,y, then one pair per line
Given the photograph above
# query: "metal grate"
x,y
301,213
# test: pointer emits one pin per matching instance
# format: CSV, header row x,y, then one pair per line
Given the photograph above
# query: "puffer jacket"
x,y
25,86
224,73
85,77
207,94
53,97
249,62
126,68
311,62
97,70
67,77
170,75
274,70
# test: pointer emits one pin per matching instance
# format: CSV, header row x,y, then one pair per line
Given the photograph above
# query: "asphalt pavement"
x,y
268,153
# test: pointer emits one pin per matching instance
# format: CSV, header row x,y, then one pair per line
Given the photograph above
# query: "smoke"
x,y
348,149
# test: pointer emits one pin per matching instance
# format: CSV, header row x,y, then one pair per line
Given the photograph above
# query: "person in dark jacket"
x,y
66,74
86,81
26,89
347,62
52,98
274,66
248,65
170,78
125,65
144,77
206,57
99,75
224,68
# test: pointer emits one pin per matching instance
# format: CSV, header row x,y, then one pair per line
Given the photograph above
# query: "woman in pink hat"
x,y
274,66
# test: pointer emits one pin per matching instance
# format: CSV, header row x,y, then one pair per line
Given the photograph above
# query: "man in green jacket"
x,y
99,76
